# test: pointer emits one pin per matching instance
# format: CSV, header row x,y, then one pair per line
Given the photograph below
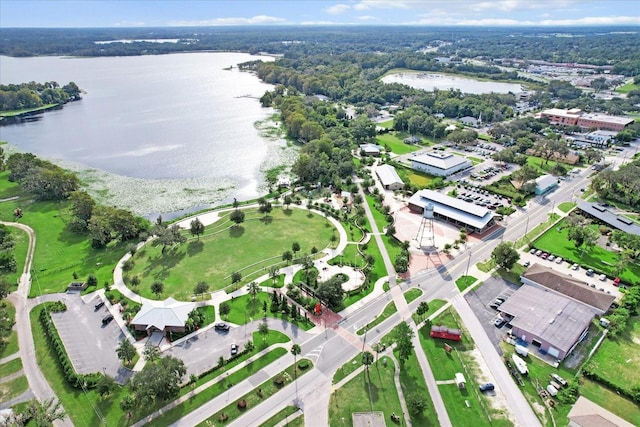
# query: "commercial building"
x,y
545,183
439,163
459,212
371,149
549,279
604,215
575,117
389,178
547,320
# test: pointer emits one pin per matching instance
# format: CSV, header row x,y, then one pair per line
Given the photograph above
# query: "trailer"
x,y
445,333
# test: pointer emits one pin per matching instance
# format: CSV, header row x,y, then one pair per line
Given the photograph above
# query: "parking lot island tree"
x,y
159,380
505,255
126,351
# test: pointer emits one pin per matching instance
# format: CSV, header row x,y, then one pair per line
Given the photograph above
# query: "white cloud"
x,y
368,18
255,20
338,9
383,4
129,24
594,20
599,20
321,23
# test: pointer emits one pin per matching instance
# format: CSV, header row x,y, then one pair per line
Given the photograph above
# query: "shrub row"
x,y
225,361
76,380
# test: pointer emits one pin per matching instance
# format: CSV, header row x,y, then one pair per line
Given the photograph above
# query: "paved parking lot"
x,y
479,300
91,346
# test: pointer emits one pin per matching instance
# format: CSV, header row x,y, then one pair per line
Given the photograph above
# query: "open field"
x,y
555,241
618,359
395,141
245,309
610,400
249,248
627,87
354,395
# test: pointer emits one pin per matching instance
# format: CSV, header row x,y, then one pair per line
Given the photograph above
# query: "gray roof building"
x,y
389,178
547,319
161,315
586,413
439,163
603,214
455,210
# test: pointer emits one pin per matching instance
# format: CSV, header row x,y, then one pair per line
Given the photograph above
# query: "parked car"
x,y
575,267
527,263
223,327
616,281
99,305
551,257
544,255
589,272
107,319
603,277
538,252
499,322
487,387
234,349
559,260
532,251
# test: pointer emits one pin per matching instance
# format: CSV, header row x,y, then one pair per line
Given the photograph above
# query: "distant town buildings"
x,y
575,117
389,178
604,215
440,164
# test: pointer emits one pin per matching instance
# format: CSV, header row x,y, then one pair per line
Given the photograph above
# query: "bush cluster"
x,y
76,380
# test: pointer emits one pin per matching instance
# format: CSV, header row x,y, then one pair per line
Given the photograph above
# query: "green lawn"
x,y
434,305
12,113
541,165
475,160
412,294
245,309
388,311
463,282
395,141
627,87
12,339
354,395
618,359
10,367
610,400
601,260
283,415
21,245
13,388
566,206
249,249
413,383
387,125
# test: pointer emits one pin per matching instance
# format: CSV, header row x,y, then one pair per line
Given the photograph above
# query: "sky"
x,y
163,13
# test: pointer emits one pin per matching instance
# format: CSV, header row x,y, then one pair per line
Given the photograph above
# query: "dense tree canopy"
x,y
159,380
34,95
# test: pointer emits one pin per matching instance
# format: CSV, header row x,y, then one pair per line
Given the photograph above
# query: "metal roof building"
x,y
440,164
389,178
454,210
547,320
603,214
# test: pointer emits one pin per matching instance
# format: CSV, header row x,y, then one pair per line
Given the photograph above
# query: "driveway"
x,y
91,346
479,300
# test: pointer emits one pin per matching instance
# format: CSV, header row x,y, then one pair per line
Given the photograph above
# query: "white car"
x,y
551,257
575,266
559,260
603,277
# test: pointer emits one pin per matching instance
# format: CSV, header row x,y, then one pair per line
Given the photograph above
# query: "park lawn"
x,y
245,309
60,252
21,245
379,270
12,338
542,166
395,141
566,206
14,388
618,359
354,395
412,382
10,367
415,178
555,241
463,282
412,294
627,87
253,399
179,411
214,257
434,305
343,371
8,189
610,400
379,217
283,415
387,125
389,309
269,282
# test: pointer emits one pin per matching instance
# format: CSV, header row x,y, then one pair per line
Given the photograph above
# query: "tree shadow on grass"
x,y
288,212
267,220
194,248
236,231
371,389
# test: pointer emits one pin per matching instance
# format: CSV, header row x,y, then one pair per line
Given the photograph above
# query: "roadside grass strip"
x,y
463,282
14,388
10,367
434,305
258,394
412,294
288,414
388,311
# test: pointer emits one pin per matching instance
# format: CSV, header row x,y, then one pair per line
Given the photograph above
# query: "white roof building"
x,y
389,178
454,210
439,163
545,183
161,315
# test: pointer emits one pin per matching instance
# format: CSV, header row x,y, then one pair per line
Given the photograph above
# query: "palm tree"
x,y
126,351
46,412
295,350
367,360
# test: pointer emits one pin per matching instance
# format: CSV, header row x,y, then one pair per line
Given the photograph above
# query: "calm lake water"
x,y
431,81
178,127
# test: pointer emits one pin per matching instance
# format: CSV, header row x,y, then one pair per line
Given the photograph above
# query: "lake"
x,y
154,133
431,81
